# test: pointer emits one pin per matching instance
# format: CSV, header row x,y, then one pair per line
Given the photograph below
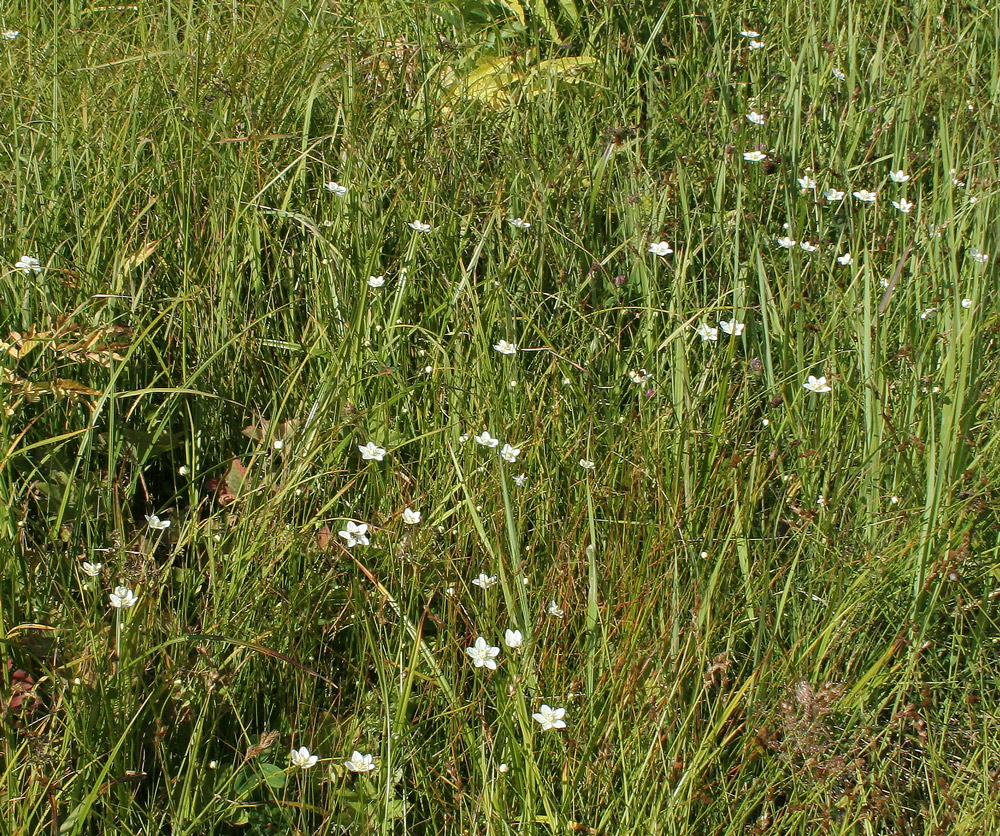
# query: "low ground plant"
x,y
499,417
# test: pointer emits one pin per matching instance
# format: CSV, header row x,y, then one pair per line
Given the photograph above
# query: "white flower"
x,y
754,156
485,581
966,303
335,187
376,281
899,176
755,118
521,479
816,384
586,464
903,205
733,327
463,438
91,569
555,610
754,45
707,332
355,534
28,264
809,248
359,763
505,347
278,444
510,454
550,718
833,195
958,183
838,74
372,452
639,376
486,440
10,34
928,313
482,655
411,517
503,768
866,196
845,259
661,249
303,759
750,33
978,256
123,597
155,523
807,182
513,639
518,223
786,242
419,226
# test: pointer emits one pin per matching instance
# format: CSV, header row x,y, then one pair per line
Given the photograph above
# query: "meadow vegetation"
x,y
718,281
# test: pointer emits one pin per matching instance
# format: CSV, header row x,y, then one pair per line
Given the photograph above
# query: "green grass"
x,y
780,607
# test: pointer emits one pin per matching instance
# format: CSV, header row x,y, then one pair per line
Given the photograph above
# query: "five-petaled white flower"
x,y
733,327
555,610
28,264
372,452
833,195
807,247
755,45
786,242
967,303
518,223
903,205
91,569
513,638
521,479
376,281
10,34
355,534
845,259
505,347
419,226
155,523
483,655
978,256
550,718
123,597
754,156
816,384
586,464
411,517
639,376
750,33
707,332
662,248
335,187
755,118
485,581
303,759
899,176
359,762
509,453
486,440
807,182
866,196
